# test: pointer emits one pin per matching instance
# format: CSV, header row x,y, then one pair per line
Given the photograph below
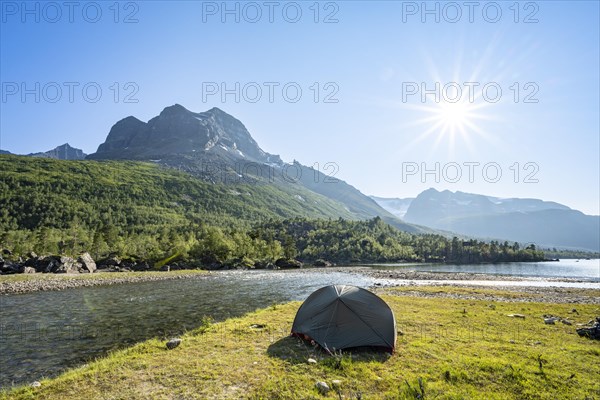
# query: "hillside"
x,y
44,202
148,212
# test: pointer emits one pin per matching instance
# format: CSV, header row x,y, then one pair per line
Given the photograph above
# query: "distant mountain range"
x,y
62,152
544,223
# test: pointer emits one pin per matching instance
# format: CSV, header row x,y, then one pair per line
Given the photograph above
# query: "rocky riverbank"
x,y
15,284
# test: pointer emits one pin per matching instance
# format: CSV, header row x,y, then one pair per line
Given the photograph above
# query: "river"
x,y
44,333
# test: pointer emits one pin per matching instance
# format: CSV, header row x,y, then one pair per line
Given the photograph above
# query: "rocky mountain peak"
x,y
62,152
176,132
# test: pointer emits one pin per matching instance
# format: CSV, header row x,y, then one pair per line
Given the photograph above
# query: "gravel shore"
x,y
60,282
553,295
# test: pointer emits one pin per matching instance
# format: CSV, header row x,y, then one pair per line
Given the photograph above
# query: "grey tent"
x,y
343,316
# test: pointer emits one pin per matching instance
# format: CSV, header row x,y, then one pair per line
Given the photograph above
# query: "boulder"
x,y
592,332
7,252
87,262
288,263
33,261
322,263
111,261
171,344
140,266
28,270
68,265
10,268
263,265
48,264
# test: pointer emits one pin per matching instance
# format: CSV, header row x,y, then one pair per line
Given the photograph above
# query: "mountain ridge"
x,y
545,223
62,152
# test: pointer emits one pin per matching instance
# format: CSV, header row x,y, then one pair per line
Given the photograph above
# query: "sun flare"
x,y
454,116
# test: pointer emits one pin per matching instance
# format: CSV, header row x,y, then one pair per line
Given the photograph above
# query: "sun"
x,y
454,116
450,123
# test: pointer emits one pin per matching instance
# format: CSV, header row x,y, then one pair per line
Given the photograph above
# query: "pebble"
x,y
336,384
36,384
311,361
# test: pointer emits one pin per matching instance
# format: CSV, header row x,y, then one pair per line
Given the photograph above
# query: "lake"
x,y
44,333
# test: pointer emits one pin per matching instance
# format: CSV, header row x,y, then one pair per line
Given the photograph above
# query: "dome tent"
x,y
342,316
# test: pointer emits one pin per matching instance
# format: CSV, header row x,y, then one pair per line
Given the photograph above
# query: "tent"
x,y
343,316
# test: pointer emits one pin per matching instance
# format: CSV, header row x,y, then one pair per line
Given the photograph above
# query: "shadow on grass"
x,y
297,351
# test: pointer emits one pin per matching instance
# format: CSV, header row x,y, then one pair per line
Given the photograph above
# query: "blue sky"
x,y
379,134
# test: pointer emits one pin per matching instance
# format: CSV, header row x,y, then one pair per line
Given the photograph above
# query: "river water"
x,y
44,333
574,269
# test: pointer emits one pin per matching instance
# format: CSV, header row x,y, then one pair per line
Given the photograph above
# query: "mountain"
x,y
396,206
62,152
217,148
544,223
178,131
5,152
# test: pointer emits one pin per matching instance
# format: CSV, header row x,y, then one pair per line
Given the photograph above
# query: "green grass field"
x,y
447,349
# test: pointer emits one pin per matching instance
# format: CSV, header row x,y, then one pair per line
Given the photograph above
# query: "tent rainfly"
x,y
342,316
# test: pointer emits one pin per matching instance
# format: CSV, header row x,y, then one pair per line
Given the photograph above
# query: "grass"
x,y
448,349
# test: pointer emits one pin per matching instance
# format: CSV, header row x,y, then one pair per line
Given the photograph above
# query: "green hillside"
x,y
43,201
147,212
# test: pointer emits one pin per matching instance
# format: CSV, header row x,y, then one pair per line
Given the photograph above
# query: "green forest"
x,y
142,211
